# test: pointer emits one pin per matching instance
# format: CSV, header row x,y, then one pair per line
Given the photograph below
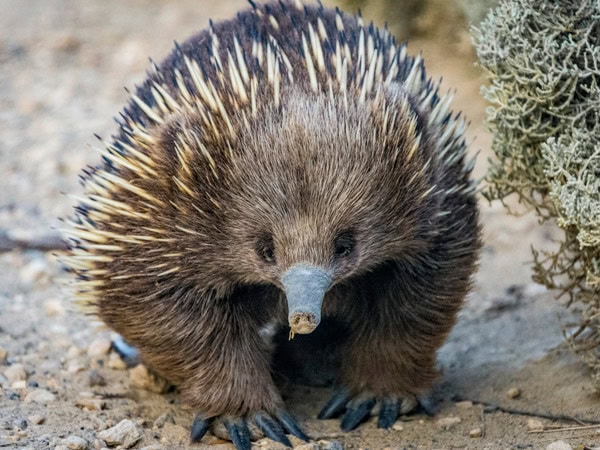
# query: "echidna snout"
x,y
305,287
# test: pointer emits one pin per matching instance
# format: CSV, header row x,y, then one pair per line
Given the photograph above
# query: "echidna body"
x,y
285,165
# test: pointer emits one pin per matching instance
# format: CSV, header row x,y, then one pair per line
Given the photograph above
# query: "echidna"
x,y
283,166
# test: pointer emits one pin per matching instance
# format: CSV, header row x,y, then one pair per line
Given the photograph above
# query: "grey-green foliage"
x,y
543,62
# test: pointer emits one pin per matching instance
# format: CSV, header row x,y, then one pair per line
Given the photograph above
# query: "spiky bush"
x,y
543,62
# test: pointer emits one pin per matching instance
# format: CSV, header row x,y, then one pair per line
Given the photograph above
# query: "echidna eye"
x,y
344,244
265,248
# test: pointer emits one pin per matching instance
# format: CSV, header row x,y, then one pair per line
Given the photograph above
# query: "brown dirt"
x,y
62,66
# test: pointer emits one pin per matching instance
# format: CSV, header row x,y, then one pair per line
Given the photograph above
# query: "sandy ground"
x,y
63,64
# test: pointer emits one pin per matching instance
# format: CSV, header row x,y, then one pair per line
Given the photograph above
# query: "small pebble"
x,y
448,422
16,372
115,362
99,348
534,425
36,419
98,444
73,352
3,354
75,367
53,308
466,404
141,377
559,445
90,403
475,433
162,419
75,443
18,385
154,447
331,445
125,433
96,378
40,396
397,427
308,446
21,424
270,444
513,392
34,271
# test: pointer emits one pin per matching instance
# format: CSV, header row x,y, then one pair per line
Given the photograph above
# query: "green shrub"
x,y
543,62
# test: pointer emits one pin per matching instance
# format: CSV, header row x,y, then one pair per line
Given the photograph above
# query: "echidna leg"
x,y
390,355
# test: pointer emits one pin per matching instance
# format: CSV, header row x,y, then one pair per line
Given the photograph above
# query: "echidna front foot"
x,y
357,408
274,426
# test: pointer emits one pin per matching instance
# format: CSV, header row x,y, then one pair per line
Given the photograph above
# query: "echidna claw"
x,y
129,354
357,409
199,428
238,429
239,434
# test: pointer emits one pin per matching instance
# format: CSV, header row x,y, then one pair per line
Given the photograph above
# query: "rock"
x,y
34,271
19,385
98,444
513,392
73,352
534,425
96,378
466,404
21,424
475,433
16,372
115,362
75,367
91,404
559,445
162,419
398,427
41,396
155,447
126,433
36,419
448,422
331,445
75,443
309,446
53,308
270,444
141,377
99,348
3,354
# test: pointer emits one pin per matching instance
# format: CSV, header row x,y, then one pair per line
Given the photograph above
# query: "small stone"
x,y
90,403
513,392
155,447
162,419
535,425
99,348
41,396
115,362
21,424
34,271
53,308
3,354
308,446
75,367
18,385
559,445
98,444
125,433
36,419
448,422
141,377
73,352
397,427
270,444
75,443
96,378
466,404
475,433
61,447
331,445
16,372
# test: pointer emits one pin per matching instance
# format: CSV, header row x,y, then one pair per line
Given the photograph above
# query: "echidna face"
x,y
324,197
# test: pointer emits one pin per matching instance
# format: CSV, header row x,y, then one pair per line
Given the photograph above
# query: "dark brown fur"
x,y
303,172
